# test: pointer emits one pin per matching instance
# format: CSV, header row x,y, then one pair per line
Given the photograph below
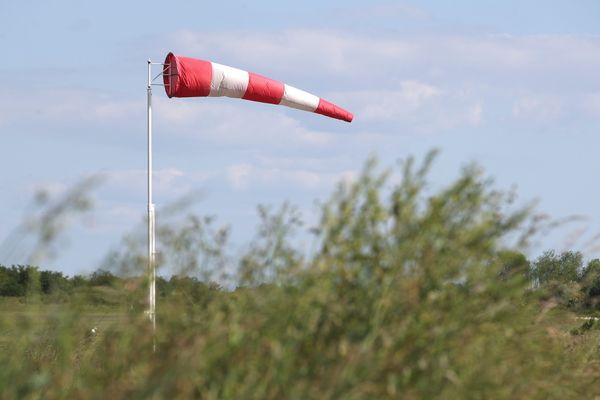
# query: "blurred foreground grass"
x,y
406,297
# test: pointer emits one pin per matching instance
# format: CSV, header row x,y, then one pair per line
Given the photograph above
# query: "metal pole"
x,y
151,220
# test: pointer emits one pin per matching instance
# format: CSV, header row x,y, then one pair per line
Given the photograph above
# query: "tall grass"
x,y
404,297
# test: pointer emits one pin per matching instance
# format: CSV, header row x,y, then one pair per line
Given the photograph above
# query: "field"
x,y
253,354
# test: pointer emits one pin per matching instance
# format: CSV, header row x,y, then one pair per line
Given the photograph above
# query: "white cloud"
x,y
417,81
70,106
306,162
538,107
238,175
474,114
243,176
420,106
375,61
165,181
294,52
237,124
391,104
421,82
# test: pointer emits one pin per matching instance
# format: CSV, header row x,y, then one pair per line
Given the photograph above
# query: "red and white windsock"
x,y
189,77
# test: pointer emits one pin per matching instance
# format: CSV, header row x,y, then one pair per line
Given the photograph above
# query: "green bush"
x,y
406,296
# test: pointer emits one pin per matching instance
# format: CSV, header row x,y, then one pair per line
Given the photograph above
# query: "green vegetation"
x,y
407,294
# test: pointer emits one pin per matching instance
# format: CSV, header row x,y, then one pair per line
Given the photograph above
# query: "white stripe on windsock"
x,y
228,81
296,98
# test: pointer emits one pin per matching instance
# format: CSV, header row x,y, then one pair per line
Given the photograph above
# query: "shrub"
x,y
403,298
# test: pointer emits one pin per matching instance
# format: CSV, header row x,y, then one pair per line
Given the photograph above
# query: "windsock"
x,y
189,77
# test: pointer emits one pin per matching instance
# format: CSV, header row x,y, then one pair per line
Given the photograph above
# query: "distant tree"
x,y
22,276
102,277
192,290
565,267
162,286
53,282
78,281
11,283
590,283
33,283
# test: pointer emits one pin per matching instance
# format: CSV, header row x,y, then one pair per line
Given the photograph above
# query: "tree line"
x,y
21,281
562,276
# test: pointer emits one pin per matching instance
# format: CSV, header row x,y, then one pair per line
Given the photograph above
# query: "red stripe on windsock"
x,y
187,77
331,110
264,90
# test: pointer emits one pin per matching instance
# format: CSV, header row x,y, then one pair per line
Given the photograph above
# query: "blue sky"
x,y
512,85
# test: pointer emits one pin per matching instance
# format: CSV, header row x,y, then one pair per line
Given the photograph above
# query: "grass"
x,y
406,296
119,359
